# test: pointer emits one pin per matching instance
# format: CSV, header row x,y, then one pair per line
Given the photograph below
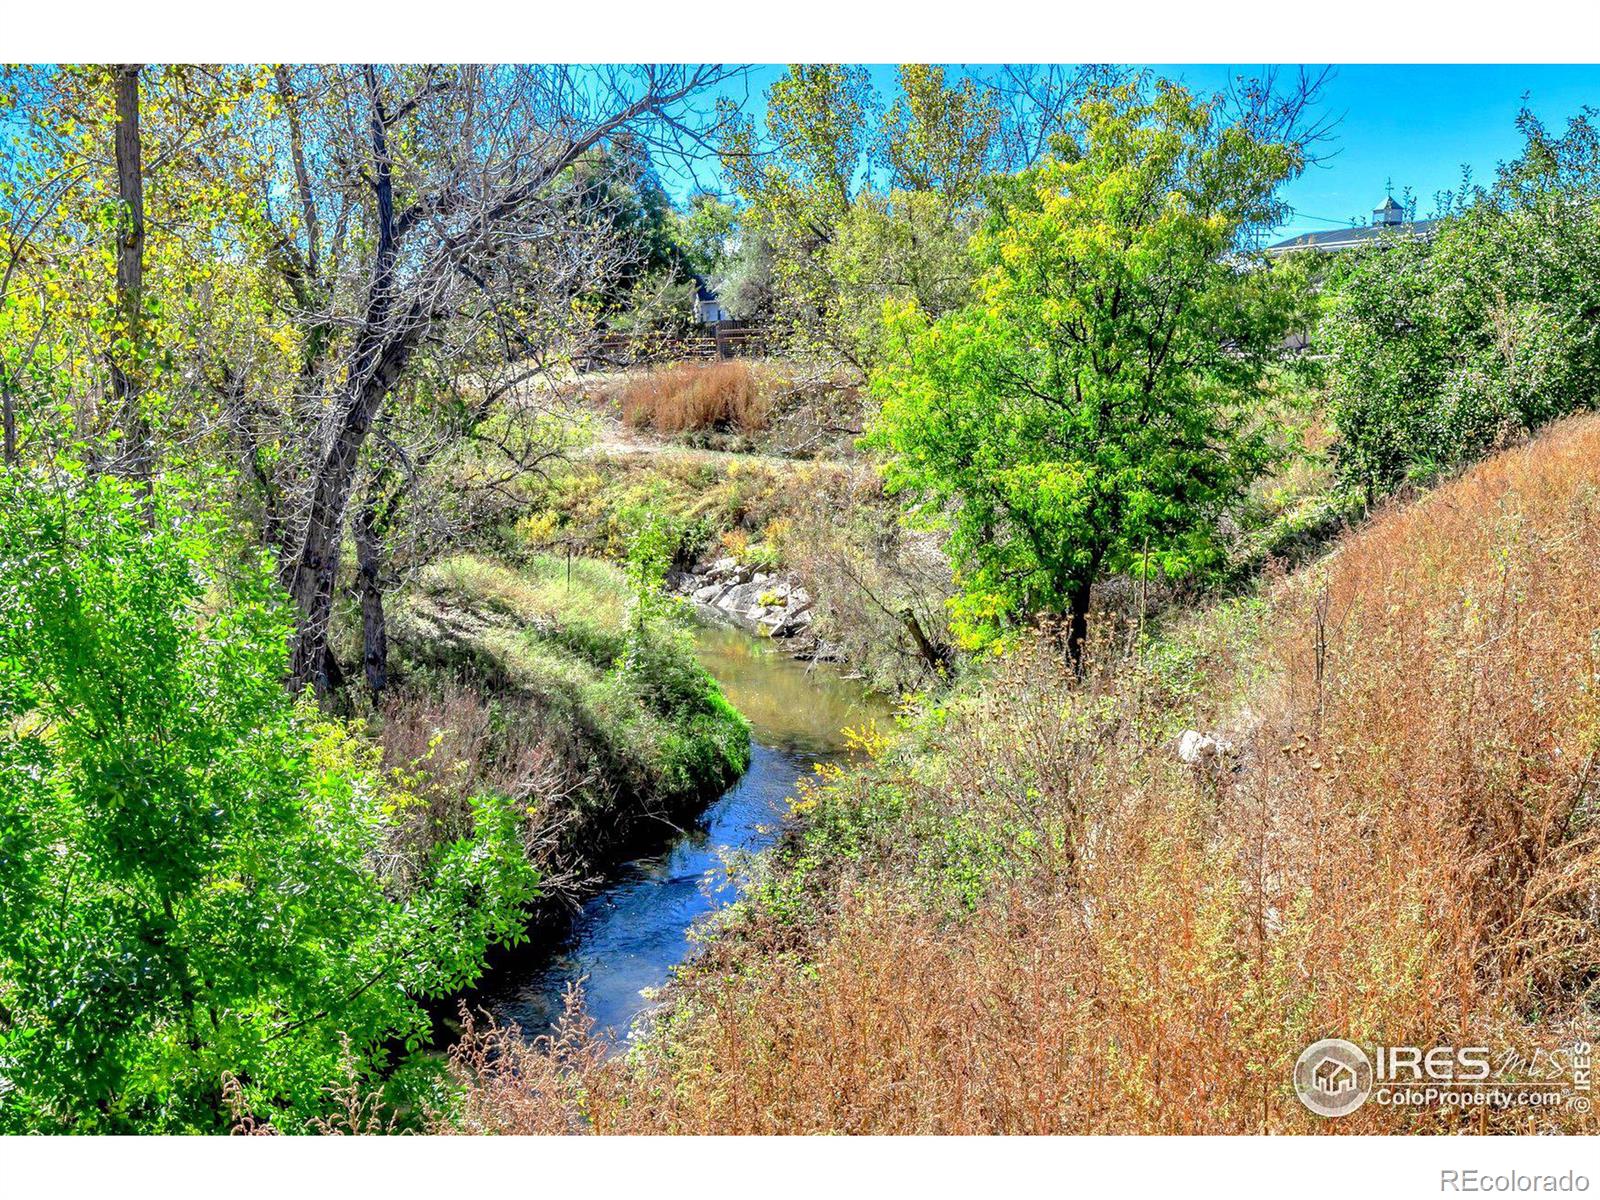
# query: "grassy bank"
x,y
537,677
828,523
1032,916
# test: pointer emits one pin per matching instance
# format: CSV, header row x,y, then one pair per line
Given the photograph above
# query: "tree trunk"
x,y
1078,625
135,458
311,574
399,308
382,349
10,405
374,634
936,656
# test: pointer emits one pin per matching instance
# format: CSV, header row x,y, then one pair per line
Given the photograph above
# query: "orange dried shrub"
x,y
508,1085
1439,720
1400,849
696,397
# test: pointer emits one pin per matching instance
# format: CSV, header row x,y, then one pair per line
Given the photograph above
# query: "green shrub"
x,y
192,862
601,656
1441,351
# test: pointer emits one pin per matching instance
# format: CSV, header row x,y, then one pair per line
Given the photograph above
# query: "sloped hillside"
x,y
1033,915
619,726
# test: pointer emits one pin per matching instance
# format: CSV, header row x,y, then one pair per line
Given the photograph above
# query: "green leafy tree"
x,y
618,186
903,246
798,181
819,126
941,138
857,205
112,338
705,231
652,542
201,877
1087,412
745,282
1441,349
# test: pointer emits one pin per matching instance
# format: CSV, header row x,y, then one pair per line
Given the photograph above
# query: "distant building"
x,y
708,309
1388,218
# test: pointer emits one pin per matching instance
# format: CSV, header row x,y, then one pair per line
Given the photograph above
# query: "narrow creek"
x,y
628,936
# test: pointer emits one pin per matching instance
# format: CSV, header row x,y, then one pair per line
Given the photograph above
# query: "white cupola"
x,y
1389,213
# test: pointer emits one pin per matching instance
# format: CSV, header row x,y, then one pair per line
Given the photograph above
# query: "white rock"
x,y
1195,747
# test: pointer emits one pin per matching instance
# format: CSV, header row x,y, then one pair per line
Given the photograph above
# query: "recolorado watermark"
x,y
1335,1077
1455,1179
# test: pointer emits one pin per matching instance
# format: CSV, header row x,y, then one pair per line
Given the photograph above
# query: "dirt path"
x,y
614,438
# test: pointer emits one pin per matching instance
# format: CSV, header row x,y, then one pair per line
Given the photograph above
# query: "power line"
x,y
1345,223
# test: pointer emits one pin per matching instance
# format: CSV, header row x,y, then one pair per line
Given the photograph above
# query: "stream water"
x,y
629,935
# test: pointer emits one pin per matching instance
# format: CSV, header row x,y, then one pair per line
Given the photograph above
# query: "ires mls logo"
x,y
1334,1077
1442,1064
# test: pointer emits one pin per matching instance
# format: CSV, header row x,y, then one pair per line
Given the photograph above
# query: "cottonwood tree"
x,y
419,196
73,204
129,347
25,319
474,423
859,204
121,263
1087,413
798,177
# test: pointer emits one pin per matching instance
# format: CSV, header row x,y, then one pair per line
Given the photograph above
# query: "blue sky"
x,y
1418,125
1414,125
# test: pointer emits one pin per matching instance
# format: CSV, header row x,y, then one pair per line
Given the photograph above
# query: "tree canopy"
x,y
1087,411
1441,348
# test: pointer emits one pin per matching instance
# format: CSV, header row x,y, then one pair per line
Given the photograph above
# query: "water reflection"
x,y
629,936
790,705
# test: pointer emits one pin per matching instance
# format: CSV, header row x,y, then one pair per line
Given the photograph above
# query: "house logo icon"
x,y
1333,1077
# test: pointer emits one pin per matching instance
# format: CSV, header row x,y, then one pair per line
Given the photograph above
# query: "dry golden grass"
x,y
1403,850
694,397
514,1087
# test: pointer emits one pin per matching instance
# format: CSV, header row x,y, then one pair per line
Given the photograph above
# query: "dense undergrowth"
x,y
1030,916
541,668
214,896
762,406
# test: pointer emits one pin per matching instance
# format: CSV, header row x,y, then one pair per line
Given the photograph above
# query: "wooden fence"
x,y
728,339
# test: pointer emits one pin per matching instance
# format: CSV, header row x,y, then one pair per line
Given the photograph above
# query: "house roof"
x,y
702,290
1329,241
